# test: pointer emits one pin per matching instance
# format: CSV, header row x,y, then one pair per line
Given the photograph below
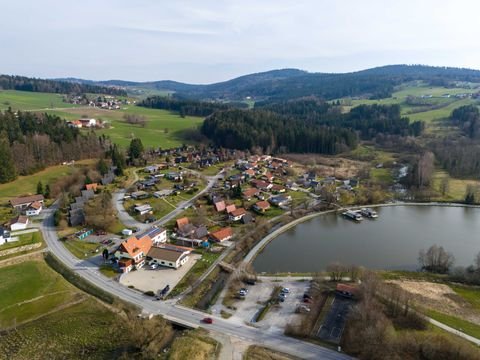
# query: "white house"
x,y
34,209
4,236
143,209
169,257
156,234
19,223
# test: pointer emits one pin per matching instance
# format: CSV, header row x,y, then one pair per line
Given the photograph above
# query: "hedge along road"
x,y
175,313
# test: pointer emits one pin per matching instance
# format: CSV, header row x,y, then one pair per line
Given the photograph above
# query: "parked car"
x,y
249,282
307,296
308,301
207,320
286,290
154,266
244,289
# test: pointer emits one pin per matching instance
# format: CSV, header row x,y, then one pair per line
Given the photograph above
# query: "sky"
x,y
209,41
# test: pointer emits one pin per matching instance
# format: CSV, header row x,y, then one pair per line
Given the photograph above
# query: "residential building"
x,y
21,203
250,193
34,209
4,235
143,209
19,223
138,195
261,206
168,257
135,249
230,208
163,193
280,200
157,234
237,214
92,186
222,235
182,222
220,206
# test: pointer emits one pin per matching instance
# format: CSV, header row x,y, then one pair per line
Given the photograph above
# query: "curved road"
x,y
175,313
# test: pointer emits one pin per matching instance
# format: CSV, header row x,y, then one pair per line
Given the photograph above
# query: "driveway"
x,y
146,279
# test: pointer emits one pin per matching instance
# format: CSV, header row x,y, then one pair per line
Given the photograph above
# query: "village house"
x,y
222,235
267,176
163,193
158,235
19,223
92,186
249,173
174,176
237,214
143,209
152,169
220,205
261,206
21,203
230,208
138,195
173,258
182,222
261,185
134,249
248,194
88,123
280,200
4,236
278,189
34,209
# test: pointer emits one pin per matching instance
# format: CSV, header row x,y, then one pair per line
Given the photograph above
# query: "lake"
x,y
392,241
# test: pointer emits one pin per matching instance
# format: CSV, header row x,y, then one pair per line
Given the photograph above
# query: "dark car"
x,y
249,282
307,296
207,320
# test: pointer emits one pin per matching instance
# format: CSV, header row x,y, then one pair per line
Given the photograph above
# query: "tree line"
x,y
186,107
30,142
22,83
305,125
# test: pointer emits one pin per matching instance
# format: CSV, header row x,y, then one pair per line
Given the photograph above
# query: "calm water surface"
x,y
392,241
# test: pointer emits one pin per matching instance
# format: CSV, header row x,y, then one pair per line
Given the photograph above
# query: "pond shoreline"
x,y
257,249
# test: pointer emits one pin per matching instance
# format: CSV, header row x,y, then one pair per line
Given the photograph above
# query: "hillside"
x,y
375,83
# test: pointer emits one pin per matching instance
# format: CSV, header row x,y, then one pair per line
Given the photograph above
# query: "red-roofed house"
x,y
250,193
220,206
237,214
92,186
249,173
261,206
267,176
182,222
135,249
230,208
222,235
34,209
261,185
279,189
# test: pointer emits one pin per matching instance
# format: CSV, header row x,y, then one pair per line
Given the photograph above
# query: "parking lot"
x,y
146,279
279,315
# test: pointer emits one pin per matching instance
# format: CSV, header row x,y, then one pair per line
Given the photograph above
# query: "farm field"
x,y
25,185
415,113
26,100
86,330
31,289
163,129
456,187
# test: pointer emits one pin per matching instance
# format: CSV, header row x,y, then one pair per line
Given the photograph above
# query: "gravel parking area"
x,y
279,315
146,279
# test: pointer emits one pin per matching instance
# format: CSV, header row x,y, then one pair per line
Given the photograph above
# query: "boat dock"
x,y
359,215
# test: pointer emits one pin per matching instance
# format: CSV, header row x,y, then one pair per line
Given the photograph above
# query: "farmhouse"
x,y
237,214
21,203
169,257
222,235
19,223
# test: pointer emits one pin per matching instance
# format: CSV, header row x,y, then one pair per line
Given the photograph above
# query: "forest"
x,y
23,83
186,107
307,125
30,142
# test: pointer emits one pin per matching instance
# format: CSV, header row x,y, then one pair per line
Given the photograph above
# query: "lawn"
x,y
25,239
456,187
83,331
30,289
469,294
456,323
195,272
164,129
25,185
82,249
27,100
382,175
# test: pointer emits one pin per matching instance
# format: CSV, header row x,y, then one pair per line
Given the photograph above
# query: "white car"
x,y
286,290
154,266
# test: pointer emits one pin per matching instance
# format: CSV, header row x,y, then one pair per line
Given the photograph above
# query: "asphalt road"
x,y
176,313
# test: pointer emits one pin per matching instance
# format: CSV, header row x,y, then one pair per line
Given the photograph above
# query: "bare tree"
x,y
337,271
435,259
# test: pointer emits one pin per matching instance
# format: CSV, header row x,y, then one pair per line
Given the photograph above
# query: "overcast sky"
x,y
207,41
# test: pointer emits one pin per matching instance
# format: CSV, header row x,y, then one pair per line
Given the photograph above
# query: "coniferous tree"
x,y
7,164
39,188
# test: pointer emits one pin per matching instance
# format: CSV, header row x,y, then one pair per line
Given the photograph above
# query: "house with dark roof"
x,y
168,257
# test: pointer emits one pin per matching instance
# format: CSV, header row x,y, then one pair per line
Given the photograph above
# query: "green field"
x,y
456,323
83,331
30,289
25,185
456,187
26,100
163,129
25,239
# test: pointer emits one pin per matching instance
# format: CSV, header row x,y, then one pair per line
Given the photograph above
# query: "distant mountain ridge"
x,y
376,82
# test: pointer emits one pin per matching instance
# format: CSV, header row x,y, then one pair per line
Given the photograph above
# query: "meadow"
x,y
30,289
26,100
